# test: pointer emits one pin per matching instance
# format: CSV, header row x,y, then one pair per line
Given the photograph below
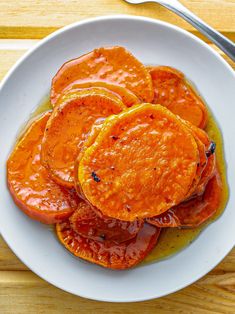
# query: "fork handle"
x,y
226,45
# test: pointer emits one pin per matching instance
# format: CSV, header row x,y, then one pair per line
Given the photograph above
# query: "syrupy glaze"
x,y
88,223
109,254
172,240
43,106
30,183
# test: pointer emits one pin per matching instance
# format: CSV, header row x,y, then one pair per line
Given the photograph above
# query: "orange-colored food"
x,y
91,136
200,168
195,211
30,184
206,174
209,170
109,254
90,224
172,91
114,65
89,140
202,156
68,125
128,98
142,163
122,155
209,165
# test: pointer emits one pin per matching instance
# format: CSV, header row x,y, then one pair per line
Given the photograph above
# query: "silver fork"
x,y
226,45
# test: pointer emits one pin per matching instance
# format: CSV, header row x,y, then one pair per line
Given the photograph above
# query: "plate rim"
x,y
90,21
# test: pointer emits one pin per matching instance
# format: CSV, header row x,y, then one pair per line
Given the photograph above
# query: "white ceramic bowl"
x,y
152,42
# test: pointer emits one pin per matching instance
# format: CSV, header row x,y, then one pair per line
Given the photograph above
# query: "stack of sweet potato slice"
x,y
121,155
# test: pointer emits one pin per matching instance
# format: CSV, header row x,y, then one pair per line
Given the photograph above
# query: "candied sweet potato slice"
x,y
210,168
67,127
92,135
114,65
89,140
142,163
109,254
173,91
128,98
89,224
198,135
195,211
30,184
200,167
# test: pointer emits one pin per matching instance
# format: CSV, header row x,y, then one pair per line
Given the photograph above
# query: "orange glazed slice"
x,y
89,140
142,163
30,184
89,224
198,134
200,167
195,211
109,254
91,136
172,91
128,98
210,168
67,128
210,147
114,65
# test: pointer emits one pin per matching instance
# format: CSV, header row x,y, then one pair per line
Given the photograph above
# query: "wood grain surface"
x,y
21,291
36,19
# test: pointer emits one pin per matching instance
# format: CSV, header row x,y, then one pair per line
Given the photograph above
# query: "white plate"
x,y
153,42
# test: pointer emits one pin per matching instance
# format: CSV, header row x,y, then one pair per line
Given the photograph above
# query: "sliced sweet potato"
x,y
114,65
89,140
142,163
91,137
200,168
109,254
30,184
128,98
67,128
173,91
210,167
95,130
202,156
195,211
89,224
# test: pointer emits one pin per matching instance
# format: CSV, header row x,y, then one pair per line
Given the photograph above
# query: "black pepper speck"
x,y
95,177
115,137
102,236
211,149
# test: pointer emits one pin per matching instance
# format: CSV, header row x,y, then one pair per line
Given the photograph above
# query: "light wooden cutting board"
x,y
22,23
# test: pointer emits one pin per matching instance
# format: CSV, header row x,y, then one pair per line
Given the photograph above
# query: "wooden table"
x,y
22,23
